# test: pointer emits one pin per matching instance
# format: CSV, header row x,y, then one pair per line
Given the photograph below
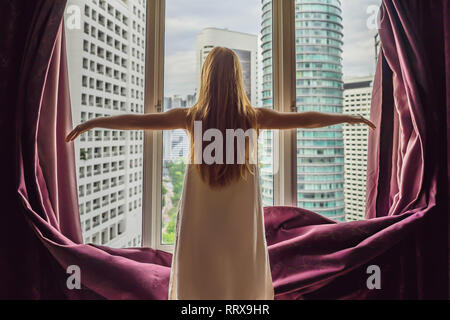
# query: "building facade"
x,y
106,58
357,100
320,152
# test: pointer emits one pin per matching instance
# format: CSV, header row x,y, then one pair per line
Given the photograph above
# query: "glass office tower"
x,y
320,152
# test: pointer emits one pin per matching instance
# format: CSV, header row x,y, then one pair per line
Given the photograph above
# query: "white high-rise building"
x,y
377,46
245,46
357,100
106,61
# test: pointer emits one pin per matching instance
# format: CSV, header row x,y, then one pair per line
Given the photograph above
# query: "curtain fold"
x,y
24,56
406,233
55,159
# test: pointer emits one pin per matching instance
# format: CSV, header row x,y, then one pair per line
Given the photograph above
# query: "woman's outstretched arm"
x,y
170,120
271,119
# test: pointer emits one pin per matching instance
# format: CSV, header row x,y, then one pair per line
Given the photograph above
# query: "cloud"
x,y
359,44
180,73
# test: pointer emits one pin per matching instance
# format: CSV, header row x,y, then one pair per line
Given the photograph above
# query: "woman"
x,y
220,248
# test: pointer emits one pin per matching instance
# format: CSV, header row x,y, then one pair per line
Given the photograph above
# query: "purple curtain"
x,y
311,257
44,236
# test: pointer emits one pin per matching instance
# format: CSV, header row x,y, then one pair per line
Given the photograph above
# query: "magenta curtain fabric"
x,y
111,273
311,257
24,56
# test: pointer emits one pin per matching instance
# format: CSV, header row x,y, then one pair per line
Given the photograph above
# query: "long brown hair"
x,y
222,104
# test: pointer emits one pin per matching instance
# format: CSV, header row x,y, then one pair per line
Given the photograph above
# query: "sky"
x,y
184,20
359,32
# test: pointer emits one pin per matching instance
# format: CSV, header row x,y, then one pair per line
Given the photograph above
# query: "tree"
x,y
176,171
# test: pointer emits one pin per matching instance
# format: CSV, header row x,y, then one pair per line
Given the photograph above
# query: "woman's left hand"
x,y
360,119
79,129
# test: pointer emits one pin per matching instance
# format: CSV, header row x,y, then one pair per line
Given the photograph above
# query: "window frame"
x,y
284,97
154,90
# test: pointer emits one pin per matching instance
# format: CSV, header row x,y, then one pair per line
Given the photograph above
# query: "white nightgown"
x,y
220,248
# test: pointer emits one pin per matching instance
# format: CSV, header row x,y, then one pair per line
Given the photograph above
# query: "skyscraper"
x,y
320,152
357,99
106,58
377,46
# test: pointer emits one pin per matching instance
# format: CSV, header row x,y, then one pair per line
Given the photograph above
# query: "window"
x,y
291,52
